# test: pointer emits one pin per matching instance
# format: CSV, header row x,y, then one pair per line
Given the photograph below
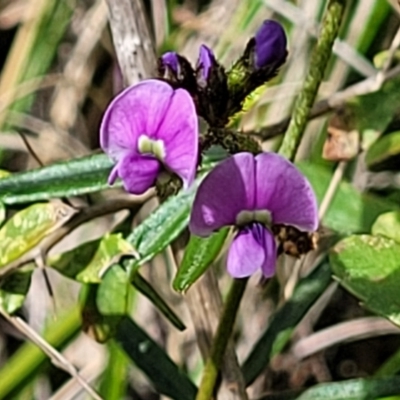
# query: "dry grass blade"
x,y
55,356
132,40
356,329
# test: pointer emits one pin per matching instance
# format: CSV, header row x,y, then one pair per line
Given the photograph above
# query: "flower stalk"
x,y
318,63
221,339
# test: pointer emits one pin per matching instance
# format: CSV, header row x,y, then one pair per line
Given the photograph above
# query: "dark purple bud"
x,y
177,71
205,62
171,61
270,44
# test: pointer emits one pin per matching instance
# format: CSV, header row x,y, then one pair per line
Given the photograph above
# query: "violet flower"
x,y
270,45
253,193
147,129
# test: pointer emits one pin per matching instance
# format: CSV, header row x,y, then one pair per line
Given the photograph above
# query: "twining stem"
x,y
224,331
318,62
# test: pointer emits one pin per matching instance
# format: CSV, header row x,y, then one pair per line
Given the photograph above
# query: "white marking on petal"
x,y
246,217
150,146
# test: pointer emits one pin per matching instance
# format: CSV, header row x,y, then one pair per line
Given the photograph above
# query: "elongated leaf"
x,y
350,211
369,267
161,227
28,227
154,362
71,178
355,389
199,254
147,290
14,288
285,320
388,225
111,248
72,262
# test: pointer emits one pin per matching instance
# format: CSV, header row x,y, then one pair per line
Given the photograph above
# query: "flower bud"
x,y
270,45
177,71
212,88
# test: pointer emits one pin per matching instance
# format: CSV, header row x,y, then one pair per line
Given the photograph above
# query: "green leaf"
x,y
111,248
199,254
369,267
350,211
72,262
154,362
354,389
69,178
286,318
28,227
147,290
388,225
161,227
115,293
384,153
13,289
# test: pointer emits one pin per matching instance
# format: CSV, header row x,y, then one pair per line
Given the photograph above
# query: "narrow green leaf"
x,y
115,293
28,227
72,262
154,362
388,225
161,227
369,267
355,389
13,289
384,153
69,178
147,290
111,248
287,317
199,254
350,211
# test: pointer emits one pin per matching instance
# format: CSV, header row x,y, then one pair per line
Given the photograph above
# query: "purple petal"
x,y
205,62
138,173
270,44
253,248
246,255
170,59
179,132
137,110
267,239
283,190
226,190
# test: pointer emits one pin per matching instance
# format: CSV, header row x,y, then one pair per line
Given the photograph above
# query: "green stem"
x,y
319,60
224,331
26,361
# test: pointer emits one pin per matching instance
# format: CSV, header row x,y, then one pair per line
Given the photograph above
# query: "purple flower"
x,y
205,62
270,45
147,129
253,193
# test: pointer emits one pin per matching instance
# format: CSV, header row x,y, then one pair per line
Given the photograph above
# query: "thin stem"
x,y
319,60
224,331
